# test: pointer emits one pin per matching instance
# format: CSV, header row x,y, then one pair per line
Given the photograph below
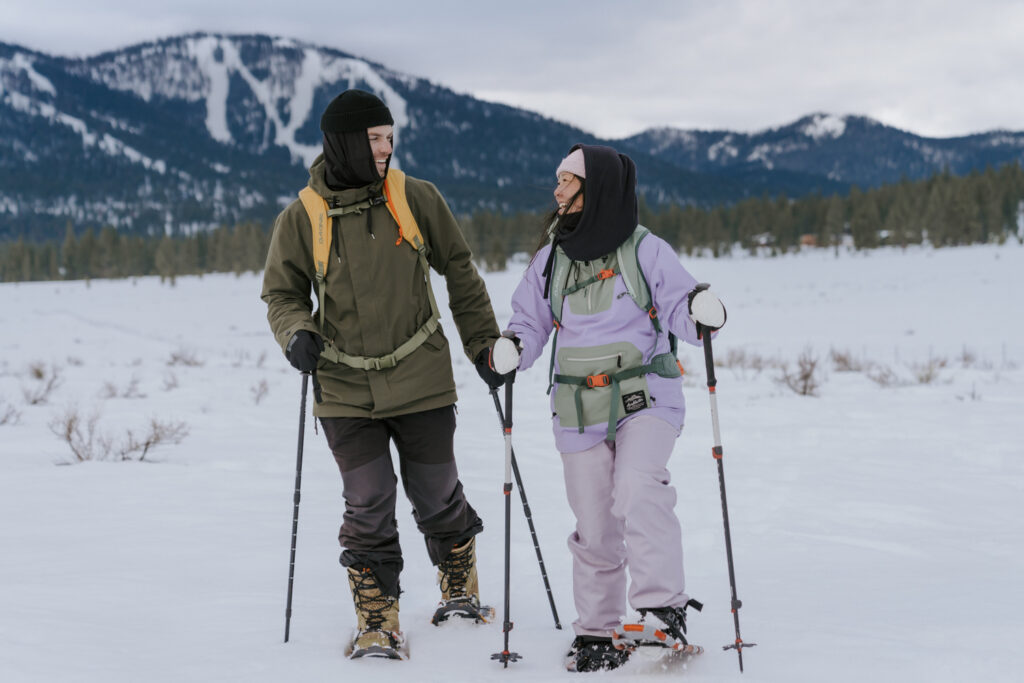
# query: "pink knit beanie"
x,y
573,164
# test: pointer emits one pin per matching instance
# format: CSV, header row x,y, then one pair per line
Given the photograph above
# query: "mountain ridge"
x,y
188,132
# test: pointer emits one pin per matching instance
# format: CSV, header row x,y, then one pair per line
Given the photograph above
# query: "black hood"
x,y
349,160
609,214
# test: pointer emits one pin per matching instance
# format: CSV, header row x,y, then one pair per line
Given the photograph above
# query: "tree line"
x,y
944,210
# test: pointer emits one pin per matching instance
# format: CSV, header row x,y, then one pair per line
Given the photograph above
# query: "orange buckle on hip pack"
x,y
598,381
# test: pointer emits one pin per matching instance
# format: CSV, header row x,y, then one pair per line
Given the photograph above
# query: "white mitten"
x,y
505,355
705,308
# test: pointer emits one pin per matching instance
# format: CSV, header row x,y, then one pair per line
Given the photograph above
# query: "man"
x,y
380,362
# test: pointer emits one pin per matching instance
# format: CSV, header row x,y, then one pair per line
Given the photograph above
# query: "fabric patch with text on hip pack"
x,y
634,401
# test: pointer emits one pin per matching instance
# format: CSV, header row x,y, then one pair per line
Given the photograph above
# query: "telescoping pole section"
x,y
717,452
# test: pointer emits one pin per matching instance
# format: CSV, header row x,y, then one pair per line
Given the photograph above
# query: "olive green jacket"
x,y
376,298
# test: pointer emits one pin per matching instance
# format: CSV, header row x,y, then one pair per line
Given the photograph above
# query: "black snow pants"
x,y
426,462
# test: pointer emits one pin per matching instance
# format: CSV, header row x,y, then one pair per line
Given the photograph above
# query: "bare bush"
x,y
968,358
884,376
133,447
170,381
741,361
81,436
110,390
87,442
928,372
844,361
805,379
8,414
45,381
184,357
259,391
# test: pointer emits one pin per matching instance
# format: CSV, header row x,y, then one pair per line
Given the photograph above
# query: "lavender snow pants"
x,y
624,507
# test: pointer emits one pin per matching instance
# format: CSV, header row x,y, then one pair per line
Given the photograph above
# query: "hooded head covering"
x,y
609,213
346,146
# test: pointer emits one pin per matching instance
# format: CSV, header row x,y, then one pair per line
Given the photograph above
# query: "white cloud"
x,y
936,67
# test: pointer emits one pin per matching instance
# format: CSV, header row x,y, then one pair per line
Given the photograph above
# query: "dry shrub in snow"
x,y
110,390
804,380
927,372
884,376
87,442
44,381
184,357
844,361
8,415
742,360
259,391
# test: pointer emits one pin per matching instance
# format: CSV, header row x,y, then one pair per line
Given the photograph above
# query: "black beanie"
x,y
355,110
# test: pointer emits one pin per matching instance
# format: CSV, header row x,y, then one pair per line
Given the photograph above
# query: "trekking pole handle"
x,y
709,356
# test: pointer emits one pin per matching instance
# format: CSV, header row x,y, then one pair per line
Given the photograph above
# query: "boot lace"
x,y
455,573
370,602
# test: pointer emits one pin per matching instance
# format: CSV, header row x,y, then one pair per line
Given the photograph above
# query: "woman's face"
x,y
568,185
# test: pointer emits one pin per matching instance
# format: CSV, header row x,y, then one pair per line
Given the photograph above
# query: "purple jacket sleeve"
x,y
670,285
531,316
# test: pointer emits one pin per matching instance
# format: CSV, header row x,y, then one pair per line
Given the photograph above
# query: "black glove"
x,y
486,372
303,350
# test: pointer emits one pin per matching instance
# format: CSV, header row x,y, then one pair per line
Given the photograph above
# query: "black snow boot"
x,y
594,653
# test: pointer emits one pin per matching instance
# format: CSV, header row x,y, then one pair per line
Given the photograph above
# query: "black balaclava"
x,y
346,146
609,213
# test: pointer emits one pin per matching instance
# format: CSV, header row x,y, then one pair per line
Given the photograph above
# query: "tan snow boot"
x,y
378,633
460,591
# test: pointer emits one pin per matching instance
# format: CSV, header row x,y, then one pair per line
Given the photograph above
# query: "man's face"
x,y
381,138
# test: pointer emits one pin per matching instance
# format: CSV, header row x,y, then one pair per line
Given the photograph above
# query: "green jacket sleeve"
x,y
286,284
450,256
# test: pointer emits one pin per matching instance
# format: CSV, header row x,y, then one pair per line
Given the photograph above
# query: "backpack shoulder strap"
x,y
629,266
398,205
633,275
316,208
559,273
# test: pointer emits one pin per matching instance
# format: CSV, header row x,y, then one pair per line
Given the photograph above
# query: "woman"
x,y
617,401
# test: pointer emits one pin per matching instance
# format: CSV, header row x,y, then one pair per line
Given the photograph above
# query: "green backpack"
x,y
607,382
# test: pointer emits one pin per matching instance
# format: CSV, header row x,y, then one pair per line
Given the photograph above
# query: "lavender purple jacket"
x,y
670,284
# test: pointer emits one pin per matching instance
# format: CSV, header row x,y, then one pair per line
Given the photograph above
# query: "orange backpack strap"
x,y
398,205
316,207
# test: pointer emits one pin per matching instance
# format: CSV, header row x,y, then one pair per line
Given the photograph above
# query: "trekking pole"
x,y
717,453
295,513
505,656
529,517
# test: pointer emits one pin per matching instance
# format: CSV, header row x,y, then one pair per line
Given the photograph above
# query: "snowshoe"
x,y
594,653
462,608
377,643
663,627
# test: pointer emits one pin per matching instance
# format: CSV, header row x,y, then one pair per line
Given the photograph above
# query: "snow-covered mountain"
x,y
848,149
194,131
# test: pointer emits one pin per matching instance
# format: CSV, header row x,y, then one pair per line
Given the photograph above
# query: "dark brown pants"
x,y
426,463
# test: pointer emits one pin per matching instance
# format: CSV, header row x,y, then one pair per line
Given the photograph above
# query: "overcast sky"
x,y
934,67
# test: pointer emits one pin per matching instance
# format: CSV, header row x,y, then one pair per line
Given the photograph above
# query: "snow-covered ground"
x,y
877,528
